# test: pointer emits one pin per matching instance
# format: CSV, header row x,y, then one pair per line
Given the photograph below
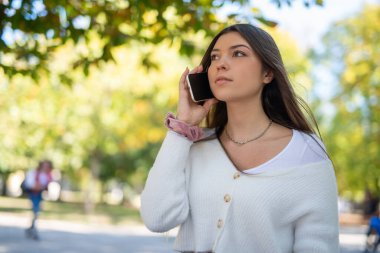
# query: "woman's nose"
x,y
222,64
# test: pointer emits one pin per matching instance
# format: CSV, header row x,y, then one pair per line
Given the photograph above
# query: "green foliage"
x,y
115,115
32,30
290,2
354,132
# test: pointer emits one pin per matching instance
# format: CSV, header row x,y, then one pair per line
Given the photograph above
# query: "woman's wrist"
x,y
193,133
185,120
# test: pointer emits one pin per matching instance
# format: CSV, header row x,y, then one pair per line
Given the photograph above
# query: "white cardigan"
x,y
222,210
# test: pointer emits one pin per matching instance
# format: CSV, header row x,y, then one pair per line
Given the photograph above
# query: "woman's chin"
x,y
233,96
225,95
220,98
226,99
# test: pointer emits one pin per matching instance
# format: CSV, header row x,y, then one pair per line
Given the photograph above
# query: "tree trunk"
x,y
102,192
91,186
4,178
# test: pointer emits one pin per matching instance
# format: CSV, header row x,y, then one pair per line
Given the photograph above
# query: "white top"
x,y
219,209
31,180
301,149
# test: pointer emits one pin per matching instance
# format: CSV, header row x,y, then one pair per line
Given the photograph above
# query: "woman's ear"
x,y
268,76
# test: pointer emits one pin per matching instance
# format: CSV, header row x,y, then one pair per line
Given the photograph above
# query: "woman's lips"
x,y
222,80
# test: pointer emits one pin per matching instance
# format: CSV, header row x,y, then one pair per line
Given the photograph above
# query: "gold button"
x,y
236,175
220,223
227,198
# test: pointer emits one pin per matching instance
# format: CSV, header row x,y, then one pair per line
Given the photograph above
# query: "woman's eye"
x,y
214,57
239,53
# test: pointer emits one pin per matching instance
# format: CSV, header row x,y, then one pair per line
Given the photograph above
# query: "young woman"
x,y
37,181
258,179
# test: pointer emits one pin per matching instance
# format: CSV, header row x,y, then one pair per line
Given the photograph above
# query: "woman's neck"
x,y
246,118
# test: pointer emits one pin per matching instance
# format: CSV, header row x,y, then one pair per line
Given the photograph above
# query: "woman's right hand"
x,y
188,111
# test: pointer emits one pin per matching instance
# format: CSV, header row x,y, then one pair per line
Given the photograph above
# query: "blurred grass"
x,y
102,214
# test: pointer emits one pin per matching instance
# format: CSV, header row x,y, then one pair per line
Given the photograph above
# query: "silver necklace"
x,y
240,143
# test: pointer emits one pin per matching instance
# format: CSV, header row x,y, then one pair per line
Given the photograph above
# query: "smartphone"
x,y
199,87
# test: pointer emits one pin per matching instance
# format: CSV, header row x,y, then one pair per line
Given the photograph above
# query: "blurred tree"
x,y
31,30
108,124
352,53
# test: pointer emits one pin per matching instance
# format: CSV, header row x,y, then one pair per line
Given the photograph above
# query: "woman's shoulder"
x,y
311,139
313,145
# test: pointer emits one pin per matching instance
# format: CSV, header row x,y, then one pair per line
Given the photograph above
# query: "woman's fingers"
x,y
189,111
197,69
194,70
182,80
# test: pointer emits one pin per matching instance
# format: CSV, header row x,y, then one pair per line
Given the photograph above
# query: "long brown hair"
x,y
278,98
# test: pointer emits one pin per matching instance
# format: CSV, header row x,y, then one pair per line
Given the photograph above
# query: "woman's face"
x,y
236,72
45,167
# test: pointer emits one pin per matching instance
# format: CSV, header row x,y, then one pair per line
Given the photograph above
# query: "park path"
x,y
69,237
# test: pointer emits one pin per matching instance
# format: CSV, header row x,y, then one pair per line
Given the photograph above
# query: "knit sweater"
x,y
219,209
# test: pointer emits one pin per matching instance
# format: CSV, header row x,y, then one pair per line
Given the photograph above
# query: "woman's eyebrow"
x,y
233,47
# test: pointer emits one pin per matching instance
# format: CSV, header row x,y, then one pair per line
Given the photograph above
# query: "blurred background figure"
x,y
36,181
373,232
